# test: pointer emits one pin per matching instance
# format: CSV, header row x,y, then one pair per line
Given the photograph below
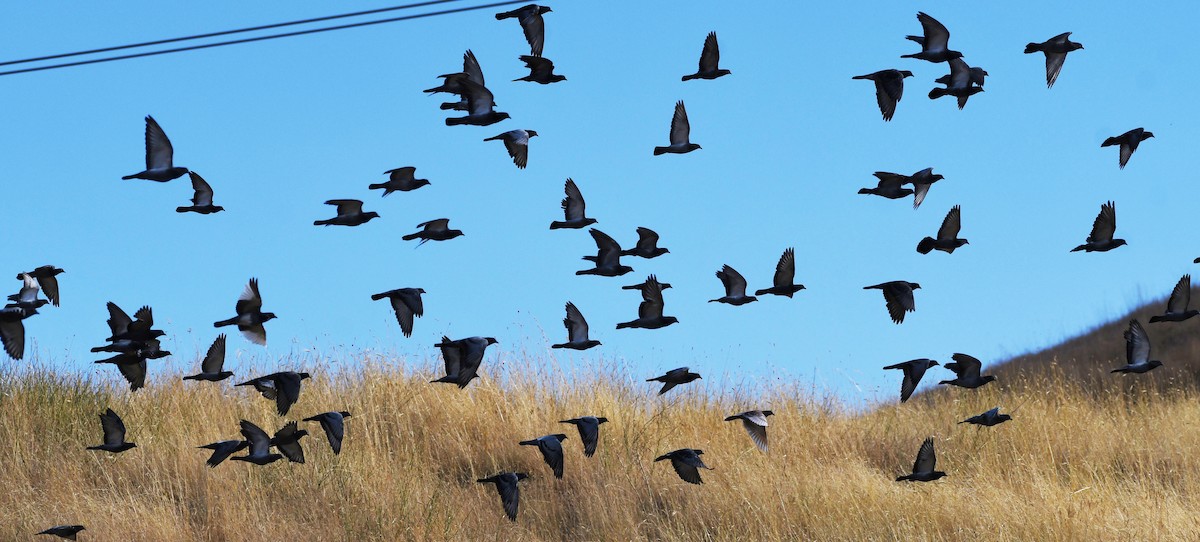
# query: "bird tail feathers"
x,y
660,150
925,246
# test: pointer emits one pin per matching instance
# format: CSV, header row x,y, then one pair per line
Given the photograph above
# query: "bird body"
x,y
947,236
481,105
1177,304
437,229
517,144
349,213
891,186
506,486
333,423
990,418
785,275
647,245
212,367
1056,50
675,377
1137,351
1127,142
589,432
202,199
250,317
934,43
710,57
923,468
159,156
400,180
889,88
650,312
755,423
681,131
898,295
406,303
541,70
47,278
463,358
608,257
922,181
530,17
735,288
12,330
686,462
577,331
283,387
551,448
959,84
966,369
574,209
259,444
114,434
67,532
913,371
221,450
287,441
1103,228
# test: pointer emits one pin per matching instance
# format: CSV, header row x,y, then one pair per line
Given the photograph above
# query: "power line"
x,y
257,38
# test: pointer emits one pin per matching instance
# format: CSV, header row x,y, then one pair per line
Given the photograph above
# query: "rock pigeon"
x,y
686,462
1137,351
913,371
334,425
647,245
510,494
400,180
661,285
517,143
921,182
202,199
574,209
889,88
709,58
891,186
977,76
1105,225
650,312
349,213
541,70
988,419
114,434
221,451
1177,304
129,335
966,370
64,531
935,42
437,229
1128,142
923,468
132,365
577,331
283,387
675,377
287,441
530,17
680,132
159,156
451,82
260,446
898,295
947,235
463,358
959,84
47,278
608,257
1056,50
735,288
250,317
27,297
785,276
589,432
755,422
12,330
406,302
481,105
551,448
212,368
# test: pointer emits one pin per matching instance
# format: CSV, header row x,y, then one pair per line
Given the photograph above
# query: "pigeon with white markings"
x,y
250,318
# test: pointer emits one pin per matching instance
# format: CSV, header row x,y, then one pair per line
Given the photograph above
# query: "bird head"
x,y
491,340
933,363
694,146
533,133
421,182
601,420
1074,46
1119,242
561,437
502,116
989,378
304,376
268,316
1155,363
420,290
344,414
1147,135
768,413
520,475
905,73
954,54
217,208
670,320
370,214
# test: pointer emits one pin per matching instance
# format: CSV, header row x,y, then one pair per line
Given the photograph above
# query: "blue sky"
x,y
279,127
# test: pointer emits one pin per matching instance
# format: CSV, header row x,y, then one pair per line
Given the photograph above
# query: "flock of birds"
x,y
134,341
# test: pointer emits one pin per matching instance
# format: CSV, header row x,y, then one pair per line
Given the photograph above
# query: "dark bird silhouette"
x,y
517,144
661,285
574,209
935,42
959,84
589,432
128,335
735,288
647,245
47,278
530,17
139,330
159,156
1177,304
923,468
132,365
481,105
202,199
510,494
607,258
212,367
541,70
650,312
27,297
551,448
221,451
921,182
687,464
681,130
755,422
1137,351
709,58
349,213
675,377
283,387
1103,228
64,531
250,318
463,358
889,88
988,419
891,186
1128,143
260,446
577,331
913,371
400,180
1056,50
437,229
451,82
947,235
898,295
406,302
785,276
966,370
287,441
12,330
977,77
334,425
114,434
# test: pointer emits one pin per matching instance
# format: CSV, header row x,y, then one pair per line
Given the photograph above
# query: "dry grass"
x,y
1113,464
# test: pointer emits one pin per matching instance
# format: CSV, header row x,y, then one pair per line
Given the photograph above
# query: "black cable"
x,y
225,32
249,40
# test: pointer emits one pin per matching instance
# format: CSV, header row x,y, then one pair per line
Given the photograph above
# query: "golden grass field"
x,y
1117,462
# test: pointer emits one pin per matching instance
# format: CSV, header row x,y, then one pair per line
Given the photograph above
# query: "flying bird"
x,y
1056,50
12,330
755,422
681,130
607,258
686,462
530,17
451,82
481,105
889,88
735,288
923,468
921,182
551,448
650,312
647,245
212,367
67,532
947,235
27,297
349,213
437,229
1128,143
577,331
510,494
159,156
517,144
661,285
898,295
709,58
202,199
114,434
406,302
1137,351
283,387
959,83
966,370
221,451
574,209
541,70
260,446
589,432
913,371
675,377
785,276
333,423
1103,228
988,419
287,441
400,180
250,318
463,358
935,42
47,278
891,186
1177,304
132,365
